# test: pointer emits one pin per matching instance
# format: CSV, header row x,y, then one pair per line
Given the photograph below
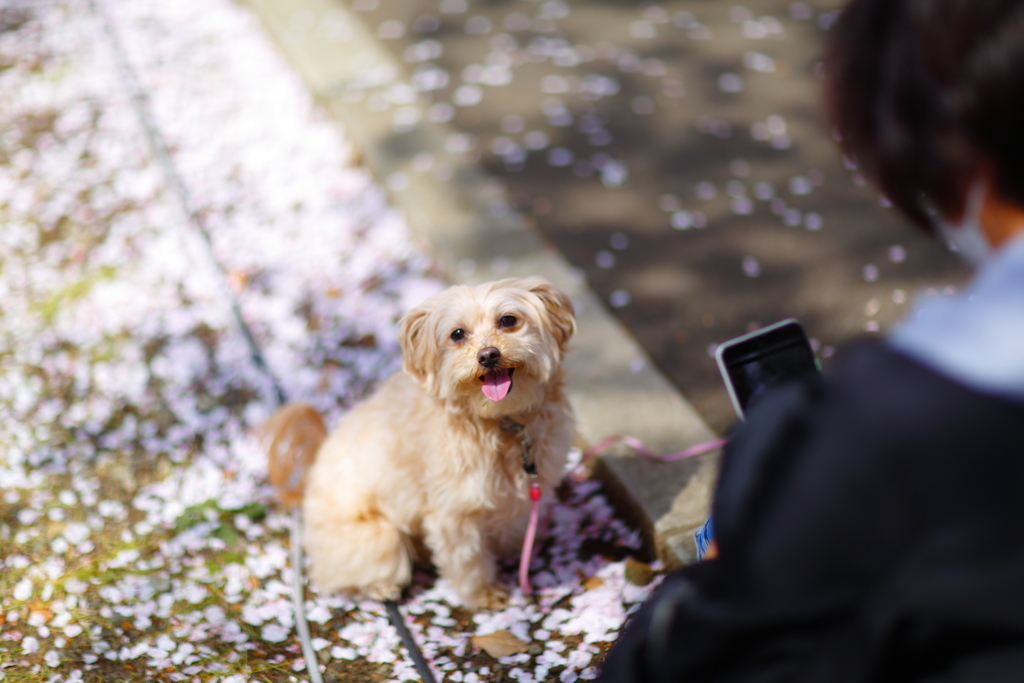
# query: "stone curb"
x,y
466,222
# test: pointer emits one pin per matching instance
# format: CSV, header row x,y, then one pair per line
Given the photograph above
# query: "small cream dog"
x,y
431,460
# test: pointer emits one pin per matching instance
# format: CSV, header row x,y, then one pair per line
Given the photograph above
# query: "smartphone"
x,y
764,358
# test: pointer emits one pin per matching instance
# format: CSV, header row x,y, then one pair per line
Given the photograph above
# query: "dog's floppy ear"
x,y
559,307
418,345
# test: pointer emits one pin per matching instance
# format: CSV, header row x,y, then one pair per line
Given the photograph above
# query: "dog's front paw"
x,y
382,591
494,596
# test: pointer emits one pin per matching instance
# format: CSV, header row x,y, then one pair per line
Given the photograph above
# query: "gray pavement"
x,y
673,152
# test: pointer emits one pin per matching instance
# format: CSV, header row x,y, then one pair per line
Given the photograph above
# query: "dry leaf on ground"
x,y
638,573
500,643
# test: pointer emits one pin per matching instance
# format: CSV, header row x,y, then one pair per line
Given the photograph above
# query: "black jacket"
x,y
870,528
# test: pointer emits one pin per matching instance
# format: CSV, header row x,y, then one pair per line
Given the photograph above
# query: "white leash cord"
x,y
298,600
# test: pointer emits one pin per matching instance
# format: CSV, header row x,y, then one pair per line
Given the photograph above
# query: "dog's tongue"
x,y
497,384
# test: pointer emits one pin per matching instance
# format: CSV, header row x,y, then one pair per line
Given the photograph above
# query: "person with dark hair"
x,y
870,525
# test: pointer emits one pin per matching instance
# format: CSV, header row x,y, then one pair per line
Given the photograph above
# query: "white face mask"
x,y
966,238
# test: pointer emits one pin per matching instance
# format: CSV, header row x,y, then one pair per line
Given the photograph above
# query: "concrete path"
x,y
674,153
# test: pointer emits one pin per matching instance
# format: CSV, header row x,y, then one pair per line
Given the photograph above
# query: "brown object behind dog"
x,y
293,436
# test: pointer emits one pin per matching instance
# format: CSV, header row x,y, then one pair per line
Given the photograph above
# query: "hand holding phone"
x,y
750,365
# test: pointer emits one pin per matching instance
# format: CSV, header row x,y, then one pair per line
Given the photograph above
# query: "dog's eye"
x,y
507,321
458,335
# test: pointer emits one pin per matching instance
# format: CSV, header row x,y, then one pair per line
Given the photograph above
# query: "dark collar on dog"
x,y
519,429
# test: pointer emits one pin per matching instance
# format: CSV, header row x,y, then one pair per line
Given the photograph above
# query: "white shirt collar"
x,y
977,335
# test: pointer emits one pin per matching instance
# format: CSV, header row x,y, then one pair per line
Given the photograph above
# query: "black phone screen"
x,y
759,361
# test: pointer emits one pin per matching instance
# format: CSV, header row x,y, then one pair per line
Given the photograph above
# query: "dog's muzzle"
x,y
497,381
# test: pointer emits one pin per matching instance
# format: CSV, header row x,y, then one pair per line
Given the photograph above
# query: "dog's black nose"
x,y
488,357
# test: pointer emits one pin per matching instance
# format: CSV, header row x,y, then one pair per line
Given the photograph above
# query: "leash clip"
x,y
519,429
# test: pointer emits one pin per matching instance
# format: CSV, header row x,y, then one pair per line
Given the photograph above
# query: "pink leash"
x,y
531,533
535,493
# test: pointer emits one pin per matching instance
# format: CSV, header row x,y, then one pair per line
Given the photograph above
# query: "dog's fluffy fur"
x,y
424,463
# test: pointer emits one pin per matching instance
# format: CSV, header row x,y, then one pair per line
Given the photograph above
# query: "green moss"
x,y
50,306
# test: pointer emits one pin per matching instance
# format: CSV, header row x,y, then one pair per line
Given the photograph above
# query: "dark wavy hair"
x,y
926,94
